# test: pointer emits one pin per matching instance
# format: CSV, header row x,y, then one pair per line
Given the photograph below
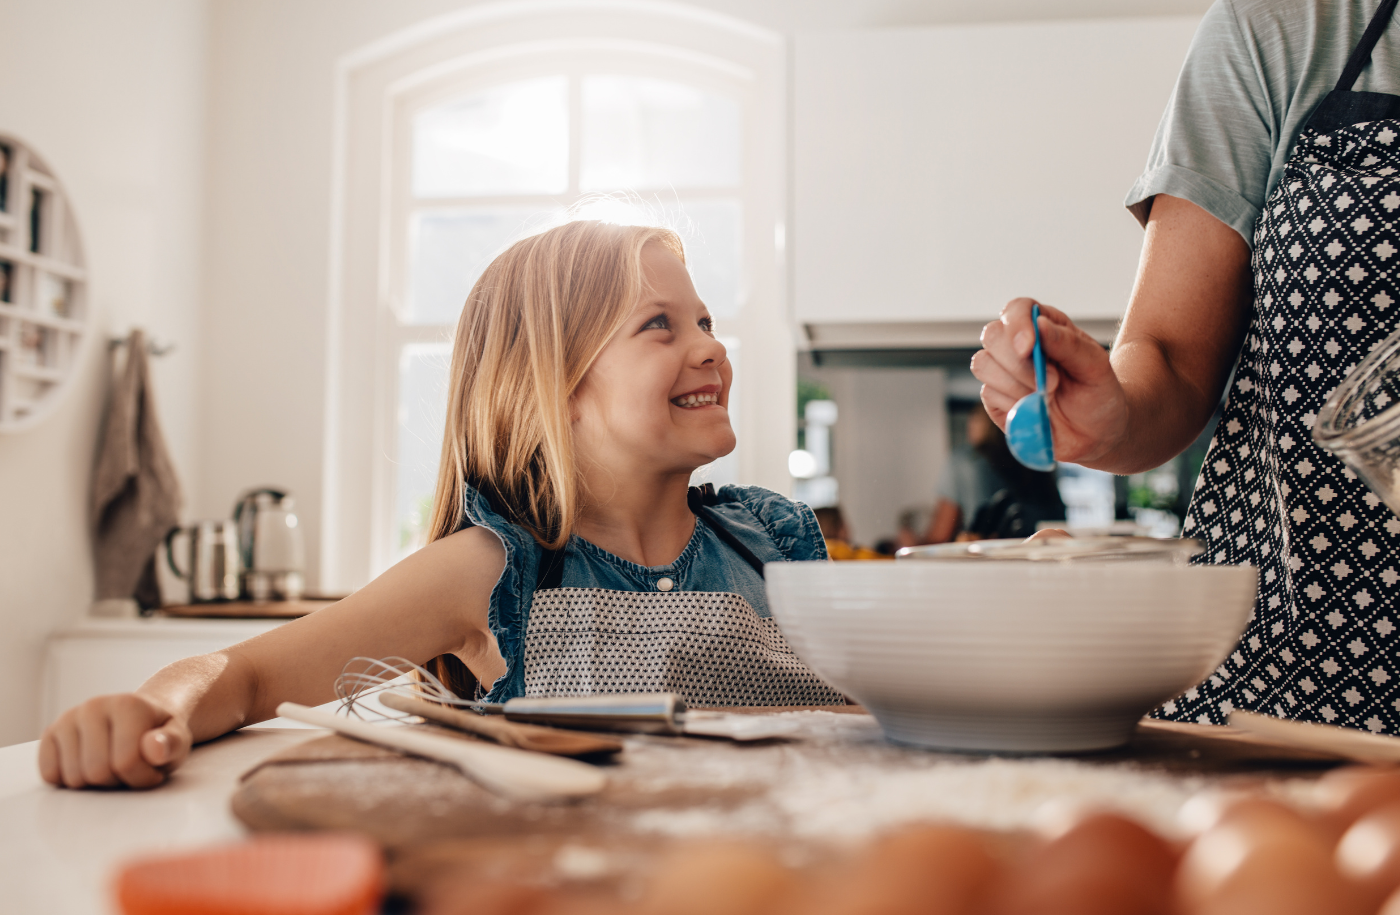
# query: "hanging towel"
x,y
135,494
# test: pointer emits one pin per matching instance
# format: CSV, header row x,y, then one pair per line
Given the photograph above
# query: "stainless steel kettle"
x,y
269,538
211,569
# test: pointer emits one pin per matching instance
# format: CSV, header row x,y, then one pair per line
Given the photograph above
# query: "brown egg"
x,y
468,896
1207,811
1262,865
928,870
1104,864
1369,853
707,878
1345,795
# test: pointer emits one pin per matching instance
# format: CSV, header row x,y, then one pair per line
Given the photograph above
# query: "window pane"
x,y
422,407
510,139
643,133
448,250
711,232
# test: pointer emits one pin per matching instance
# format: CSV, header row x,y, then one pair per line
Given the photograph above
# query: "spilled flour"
x,y
841,782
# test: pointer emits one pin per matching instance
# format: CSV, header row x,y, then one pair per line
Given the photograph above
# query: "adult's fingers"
x,y
95,745
998,405
1073,351
991,373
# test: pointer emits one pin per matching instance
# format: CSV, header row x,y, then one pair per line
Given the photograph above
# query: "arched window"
x,y
481,142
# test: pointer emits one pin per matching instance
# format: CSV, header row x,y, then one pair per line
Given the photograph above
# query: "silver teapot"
x,y
270,541
211,564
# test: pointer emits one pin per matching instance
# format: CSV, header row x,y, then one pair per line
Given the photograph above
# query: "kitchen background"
x,y
254,182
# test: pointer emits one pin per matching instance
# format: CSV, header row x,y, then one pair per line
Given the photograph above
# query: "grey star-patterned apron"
x,y
1322,643
711,648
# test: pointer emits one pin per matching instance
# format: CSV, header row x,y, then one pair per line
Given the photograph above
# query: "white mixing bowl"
x,y
1024,657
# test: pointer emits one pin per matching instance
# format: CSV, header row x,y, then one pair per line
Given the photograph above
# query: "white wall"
x,y
123,100
271,110
112,96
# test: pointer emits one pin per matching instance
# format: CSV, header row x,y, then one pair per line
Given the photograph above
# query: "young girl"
x,y
568,555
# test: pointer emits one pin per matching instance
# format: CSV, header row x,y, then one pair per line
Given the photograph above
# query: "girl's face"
x,y
656,399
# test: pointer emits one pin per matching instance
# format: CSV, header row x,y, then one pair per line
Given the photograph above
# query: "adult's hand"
x,y
111,741
1088,408
1147,402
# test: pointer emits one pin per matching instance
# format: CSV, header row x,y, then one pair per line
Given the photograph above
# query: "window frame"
x,y
381,89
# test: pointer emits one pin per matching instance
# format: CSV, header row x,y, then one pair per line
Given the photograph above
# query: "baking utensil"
x,y
640,713
515,774
1015,656
1028,423
504,732
1360,421
1059,549
1325,738
211,564
363,679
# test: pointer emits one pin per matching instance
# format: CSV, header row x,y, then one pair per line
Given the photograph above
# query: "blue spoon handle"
x,y
1038,355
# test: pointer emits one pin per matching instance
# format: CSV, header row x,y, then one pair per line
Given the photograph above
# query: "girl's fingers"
x,y
128,762
95,745
49,769
167,746
69,764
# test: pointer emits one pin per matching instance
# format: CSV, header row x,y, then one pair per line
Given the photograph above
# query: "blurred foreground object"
x,y
289,874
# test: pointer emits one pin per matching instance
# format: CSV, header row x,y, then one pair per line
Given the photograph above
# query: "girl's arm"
x,y
434,602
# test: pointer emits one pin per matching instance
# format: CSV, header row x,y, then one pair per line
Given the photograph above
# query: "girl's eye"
x,y
658,323
707,325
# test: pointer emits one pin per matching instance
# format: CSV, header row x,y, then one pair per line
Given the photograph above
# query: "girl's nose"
x,y
709,351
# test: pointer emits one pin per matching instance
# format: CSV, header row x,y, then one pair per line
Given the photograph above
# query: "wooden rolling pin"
x,y
1345,742
515,774
506,733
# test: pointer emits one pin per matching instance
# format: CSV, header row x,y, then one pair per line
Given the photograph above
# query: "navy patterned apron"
x,y
1322,644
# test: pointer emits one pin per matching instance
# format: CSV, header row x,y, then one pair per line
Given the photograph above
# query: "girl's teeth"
x,y
692,400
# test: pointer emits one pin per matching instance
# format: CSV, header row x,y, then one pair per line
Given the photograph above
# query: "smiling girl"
x,y
568,553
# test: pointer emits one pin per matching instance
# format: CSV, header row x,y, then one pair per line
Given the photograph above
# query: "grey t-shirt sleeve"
x,y
1215,144
1254,73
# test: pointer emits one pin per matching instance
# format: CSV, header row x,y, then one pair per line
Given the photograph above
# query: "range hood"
x,y
910,343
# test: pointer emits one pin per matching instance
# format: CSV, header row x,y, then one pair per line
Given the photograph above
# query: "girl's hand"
x,y
1088,408
111,741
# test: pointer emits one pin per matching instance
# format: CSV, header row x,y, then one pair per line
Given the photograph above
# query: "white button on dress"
x,y
664,584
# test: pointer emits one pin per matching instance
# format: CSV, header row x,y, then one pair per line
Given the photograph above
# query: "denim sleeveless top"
x,y
699,626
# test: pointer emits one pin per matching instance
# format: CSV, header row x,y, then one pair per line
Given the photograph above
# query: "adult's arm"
x,y
1146,402
434,602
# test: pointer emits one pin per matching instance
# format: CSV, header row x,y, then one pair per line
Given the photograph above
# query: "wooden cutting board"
x,y
837,781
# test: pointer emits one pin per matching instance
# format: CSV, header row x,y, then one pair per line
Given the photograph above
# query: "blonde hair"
x,y
532,327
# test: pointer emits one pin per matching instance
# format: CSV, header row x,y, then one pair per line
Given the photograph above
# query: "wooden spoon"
x,y
515,774
507,733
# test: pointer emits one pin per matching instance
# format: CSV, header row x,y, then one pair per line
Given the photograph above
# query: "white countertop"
x,y
59,849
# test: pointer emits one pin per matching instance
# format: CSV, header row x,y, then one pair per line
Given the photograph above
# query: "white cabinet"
x,y
939,172
97,657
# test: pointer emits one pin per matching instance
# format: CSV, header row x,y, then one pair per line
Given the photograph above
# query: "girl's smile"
x,y
708,396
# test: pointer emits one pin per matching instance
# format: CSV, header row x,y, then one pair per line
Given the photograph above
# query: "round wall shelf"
x,y
44,314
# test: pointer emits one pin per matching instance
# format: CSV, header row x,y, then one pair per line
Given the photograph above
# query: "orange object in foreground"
x,y
288,874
